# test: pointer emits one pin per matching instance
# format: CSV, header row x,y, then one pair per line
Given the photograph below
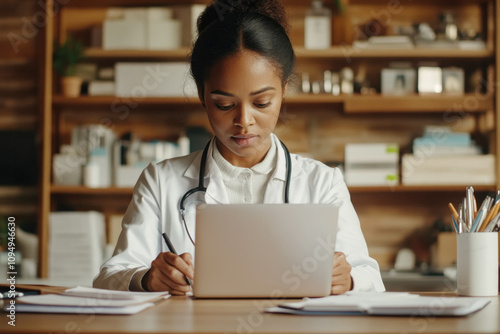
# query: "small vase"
x,y
71,86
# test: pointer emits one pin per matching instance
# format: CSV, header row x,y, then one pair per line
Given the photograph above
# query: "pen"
x,y
172,249
482,214
469,207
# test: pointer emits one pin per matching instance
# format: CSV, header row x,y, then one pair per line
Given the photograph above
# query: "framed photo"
x,y
453,80
398,81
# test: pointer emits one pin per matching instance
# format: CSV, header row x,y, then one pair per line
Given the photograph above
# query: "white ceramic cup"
x,y
477,264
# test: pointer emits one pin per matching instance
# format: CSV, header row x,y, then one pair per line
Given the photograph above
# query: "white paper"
x,y
384,303
81,291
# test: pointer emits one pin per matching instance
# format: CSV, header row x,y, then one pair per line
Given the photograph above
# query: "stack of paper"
x,y
384,303
439,143
443,157
83,300
385,43
448,170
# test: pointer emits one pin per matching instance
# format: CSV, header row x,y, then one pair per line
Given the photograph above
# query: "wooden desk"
x,y
185,315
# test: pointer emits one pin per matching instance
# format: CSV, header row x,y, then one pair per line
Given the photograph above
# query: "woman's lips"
x,y
244,140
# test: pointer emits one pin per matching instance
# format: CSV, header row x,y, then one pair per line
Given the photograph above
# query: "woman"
x,y
241,62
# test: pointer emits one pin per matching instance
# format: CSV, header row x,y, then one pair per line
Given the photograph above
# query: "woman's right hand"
x,y
168,273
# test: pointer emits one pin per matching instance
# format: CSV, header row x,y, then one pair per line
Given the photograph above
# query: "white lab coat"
x,y
154,209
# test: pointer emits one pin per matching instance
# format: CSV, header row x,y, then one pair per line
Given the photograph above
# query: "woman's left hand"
x,y
341,276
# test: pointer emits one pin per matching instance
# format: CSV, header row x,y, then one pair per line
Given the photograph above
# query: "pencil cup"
x,y
477,264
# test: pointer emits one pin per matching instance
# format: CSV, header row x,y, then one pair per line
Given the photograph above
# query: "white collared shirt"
x,y
154,209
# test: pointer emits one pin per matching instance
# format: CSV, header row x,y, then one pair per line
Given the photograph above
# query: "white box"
x,y
76,245
430,79
372,153
164,35
124,34
142,80
372,176
188,15
101,88
67,169
159,13
138,13
374,164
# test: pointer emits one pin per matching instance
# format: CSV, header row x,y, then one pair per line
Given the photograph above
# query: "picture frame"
x,y
453,80
398,81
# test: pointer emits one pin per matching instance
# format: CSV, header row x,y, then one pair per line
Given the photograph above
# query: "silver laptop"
x,y
264,250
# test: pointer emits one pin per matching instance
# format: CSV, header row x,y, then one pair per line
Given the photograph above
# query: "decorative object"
x,y
66,56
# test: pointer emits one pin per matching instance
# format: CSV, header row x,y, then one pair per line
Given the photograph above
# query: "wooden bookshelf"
x,y
324,122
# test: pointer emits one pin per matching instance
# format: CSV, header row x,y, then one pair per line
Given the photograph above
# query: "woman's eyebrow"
x,y
265,89
220,92
260,91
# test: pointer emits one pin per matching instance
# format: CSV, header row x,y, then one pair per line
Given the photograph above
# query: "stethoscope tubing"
x,y
201,183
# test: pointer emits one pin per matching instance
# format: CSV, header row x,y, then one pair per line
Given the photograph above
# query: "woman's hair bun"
x,y
219,8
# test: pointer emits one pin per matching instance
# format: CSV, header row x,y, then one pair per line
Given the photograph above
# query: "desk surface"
x,y
185,315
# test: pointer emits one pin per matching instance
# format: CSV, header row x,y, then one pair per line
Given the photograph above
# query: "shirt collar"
x,y
279,171
231,171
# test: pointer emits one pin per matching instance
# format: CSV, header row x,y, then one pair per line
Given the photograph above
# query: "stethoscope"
x,y
201,183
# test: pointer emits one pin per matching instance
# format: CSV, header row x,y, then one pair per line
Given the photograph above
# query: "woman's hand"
x,y
168,273
341,276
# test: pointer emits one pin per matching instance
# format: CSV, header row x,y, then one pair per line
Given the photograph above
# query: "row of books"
x,y
440,157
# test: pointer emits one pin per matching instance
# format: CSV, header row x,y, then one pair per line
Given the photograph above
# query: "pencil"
x,y
453,211
475,205
493,212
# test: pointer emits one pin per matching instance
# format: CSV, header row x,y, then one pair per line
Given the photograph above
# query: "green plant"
x,y
66,56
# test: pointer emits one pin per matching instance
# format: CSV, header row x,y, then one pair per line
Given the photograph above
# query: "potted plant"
x,y
66,56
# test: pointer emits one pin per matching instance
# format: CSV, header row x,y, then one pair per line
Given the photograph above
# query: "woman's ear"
x,y
285,88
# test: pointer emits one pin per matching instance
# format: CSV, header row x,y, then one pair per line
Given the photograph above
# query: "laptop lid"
x,y
264,250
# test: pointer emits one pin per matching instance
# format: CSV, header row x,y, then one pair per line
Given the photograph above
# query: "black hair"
x,y
258,26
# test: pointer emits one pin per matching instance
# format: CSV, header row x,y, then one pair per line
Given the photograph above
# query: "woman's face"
x,y
243,94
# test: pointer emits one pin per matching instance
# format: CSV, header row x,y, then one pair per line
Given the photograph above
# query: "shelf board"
x,y
81,190
106,100
403,189
314,99
418,103
352,103
18,191
346,52
336,52
95,53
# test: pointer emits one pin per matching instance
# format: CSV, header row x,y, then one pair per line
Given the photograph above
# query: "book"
x,y
83,300
448,170
383,303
